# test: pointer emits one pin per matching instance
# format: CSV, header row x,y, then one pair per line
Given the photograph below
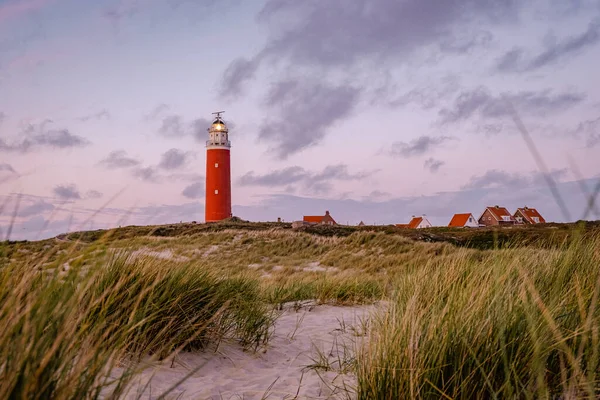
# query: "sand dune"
x,y
285,369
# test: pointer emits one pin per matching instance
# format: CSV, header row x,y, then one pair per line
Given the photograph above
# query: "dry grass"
x,y
63,333
517,322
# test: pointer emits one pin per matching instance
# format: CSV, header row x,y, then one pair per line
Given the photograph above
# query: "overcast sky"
x,y
374,110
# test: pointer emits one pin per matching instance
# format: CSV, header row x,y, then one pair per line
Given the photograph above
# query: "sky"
x,y
374,110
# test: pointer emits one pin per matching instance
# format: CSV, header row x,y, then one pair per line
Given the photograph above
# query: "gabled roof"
x,y
414,223
319,218
313,218
499,212
460,220
529,213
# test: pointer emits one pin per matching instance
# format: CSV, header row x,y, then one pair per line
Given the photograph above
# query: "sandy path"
x,y
231,373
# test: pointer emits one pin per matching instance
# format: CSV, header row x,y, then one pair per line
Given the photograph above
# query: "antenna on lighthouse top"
x,y
218,113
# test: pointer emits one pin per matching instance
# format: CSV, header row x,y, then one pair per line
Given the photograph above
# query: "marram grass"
x,y
517,324
462,323
62,335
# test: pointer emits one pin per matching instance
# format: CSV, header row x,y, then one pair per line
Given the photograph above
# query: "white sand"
x,y
284,365
165,255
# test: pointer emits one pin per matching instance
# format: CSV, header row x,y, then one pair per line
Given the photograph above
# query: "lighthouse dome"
x,y
218,134
218,125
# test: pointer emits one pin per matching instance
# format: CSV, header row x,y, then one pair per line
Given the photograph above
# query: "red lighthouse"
x,y
218,173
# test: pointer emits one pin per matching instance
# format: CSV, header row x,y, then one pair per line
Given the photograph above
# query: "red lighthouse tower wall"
x,y
218,185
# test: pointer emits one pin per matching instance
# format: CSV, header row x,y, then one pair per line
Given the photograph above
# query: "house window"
x,y
505,218
216,191
216,165
470,219
536,220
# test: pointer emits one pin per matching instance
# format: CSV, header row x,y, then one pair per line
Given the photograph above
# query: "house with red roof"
x,y
496,215
319,219
463,220
527,215
416,223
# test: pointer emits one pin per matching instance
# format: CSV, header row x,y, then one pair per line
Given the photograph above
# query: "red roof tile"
x,y
313,218
414,223
459,220
500,212
530,213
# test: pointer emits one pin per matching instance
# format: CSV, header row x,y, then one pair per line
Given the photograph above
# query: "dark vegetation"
x,y
550,235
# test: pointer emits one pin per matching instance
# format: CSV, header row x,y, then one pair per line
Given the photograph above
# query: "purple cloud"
x,y
13,9
67,192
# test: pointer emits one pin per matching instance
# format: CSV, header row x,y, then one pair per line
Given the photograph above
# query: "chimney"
x,y
278,219
326,212
497,206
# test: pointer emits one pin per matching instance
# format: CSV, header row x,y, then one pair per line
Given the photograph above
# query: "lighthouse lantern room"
x,y
218,172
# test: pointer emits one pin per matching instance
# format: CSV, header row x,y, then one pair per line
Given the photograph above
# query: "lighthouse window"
x,y
216,191
216,165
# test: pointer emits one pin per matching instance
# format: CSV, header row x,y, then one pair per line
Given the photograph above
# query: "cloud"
x,y
119,159
37,208
433,165
481,102
7,167
465,43
174,159
27,206
237,73
102,114
175,126
200,126
93,194
329,34
377,195
12,9
276,178
7,173
303,113
194,191
323,56
172,126
147,174
156,112
417,147
591,131
318,182
67,192
505,180
38,136
427,95
39,227
515,60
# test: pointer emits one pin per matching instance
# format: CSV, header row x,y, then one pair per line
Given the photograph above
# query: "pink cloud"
x,y
16,8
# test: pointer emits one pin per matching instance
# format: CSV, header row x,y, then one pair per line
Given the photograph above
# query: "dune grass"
x,y
519,323
63,334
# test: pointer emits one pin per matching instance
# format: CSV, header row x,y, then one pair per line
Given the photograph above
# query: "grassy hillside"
x,y
487,313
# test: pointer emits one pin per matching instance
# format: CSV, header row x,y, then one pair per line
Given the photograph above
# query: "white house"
x,y
463,220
